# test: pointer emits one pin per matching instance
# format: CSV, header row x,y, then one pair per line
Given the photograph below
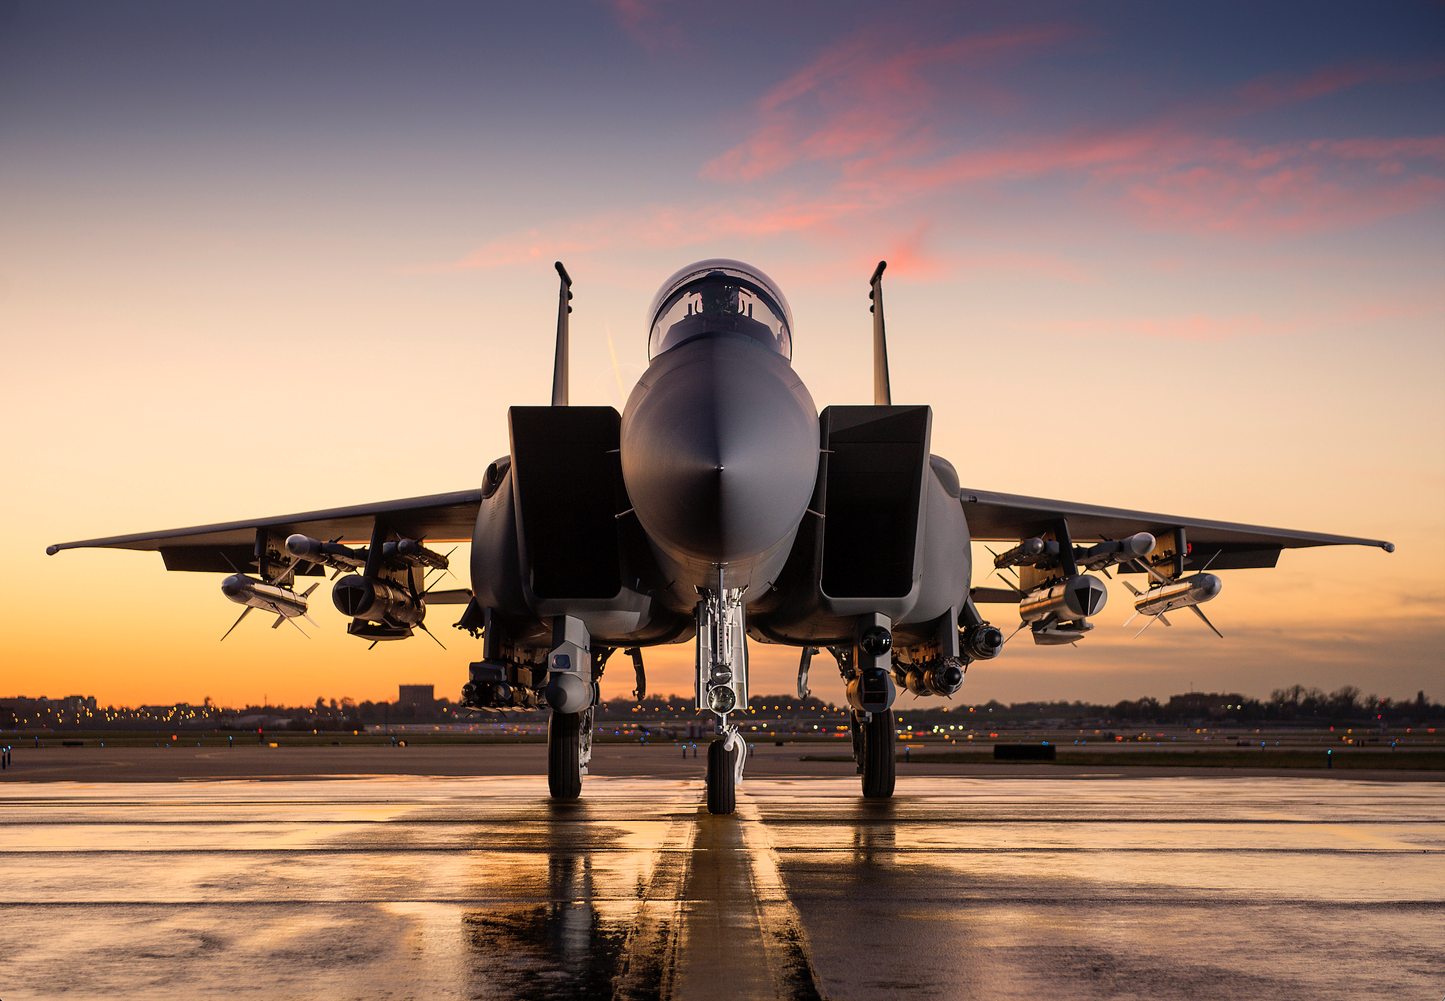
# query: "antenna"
x,y
559,365
882,393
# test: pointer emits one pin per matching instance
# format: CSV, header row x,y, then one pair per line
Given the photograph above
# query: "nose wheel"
x,y
874,749
725,758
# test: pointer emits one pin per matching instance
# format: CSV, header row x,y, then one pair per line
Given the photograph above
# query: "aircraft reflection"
x,y
570,939
875,841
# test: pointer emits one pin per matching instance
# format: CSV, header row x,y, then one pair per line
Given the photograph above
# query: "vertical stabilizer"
x,y
559,364
882,393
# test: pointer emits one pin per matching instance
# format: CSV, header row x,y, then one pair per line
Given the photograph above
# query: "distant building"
x,y
421,696
1205,705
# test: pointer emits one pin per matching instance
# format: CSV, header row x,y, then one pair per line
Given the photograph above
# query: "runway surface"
x,y
959,887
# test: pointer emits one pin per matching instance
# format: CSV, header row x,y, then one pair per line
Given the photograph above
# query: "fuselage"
x,y
719,454
726,478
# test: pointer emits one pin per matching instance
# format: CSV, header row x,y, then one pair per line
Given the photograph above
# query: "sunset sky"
x,y
258,258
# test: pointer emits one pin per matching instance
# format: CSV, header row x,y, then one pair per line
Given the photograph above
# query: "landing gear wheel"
x,y
564,755
721,774
879,764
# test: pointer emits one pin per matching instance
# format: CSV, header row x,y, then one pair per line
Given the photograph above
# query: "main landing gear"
x,y
866,671
875,751
569,750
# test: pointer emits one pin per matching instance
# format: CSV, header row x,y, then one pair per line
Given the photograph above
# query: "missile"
x,y
1074,598
1106,554
913,680
330,554
417,555
941,676
1188,592
249,591
1030,551
944,676
1195,590
282,602
983,641
491,687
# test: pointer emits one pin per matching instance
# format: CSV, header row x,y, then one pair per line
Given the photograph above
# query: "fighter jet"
x,y
722,508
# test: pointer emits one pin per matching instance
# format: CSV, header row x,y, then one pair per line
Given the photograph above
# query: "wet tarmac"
x,y
983,887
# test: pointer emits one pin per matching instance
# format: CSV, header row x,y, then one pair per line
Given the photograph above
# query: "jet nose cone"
x,y
720,452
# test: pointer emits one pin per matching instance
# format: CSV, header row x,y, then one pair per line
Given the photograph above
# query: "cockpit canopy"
x,y
720,296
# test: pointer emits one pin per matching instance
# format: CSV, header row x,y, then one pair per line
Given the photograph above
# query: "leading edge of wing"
x,y
1003,517
436,517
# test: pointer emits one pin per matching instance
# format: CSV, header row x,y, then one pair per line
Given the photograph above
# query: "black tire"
x,y
721,791
564,758
880,766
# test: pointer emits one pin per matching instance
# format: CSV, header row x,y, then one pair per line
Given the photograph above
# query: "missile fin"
x,y
1147,625
298,628
1161,618
994,569
307,593
280,619
423,628
1205,619
244,612
1132,589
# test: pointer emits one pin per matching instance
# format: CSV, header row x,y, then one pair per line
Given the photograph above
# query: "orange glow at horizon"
x,y
319,272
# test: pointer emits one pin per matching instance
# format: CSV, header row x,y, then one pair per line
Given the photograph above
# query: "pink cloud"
x,y
1275,88
866,116
863,100
646,23
854,150
1194,182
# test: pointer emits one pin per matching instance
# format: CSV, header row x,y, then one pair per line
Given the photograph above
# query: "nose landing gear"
x,y
722,687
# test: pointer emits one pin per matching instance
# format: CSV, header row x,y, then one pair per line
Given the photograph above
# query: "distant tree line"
x,y
1297,704
1346,704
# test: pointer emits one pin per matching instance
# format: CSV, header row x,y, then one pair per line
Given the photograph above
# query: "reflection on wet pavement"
x,y
957,888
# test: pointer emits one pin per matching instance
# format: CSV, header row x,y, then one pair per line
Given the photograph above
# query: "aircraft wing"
x,y
224,547
1220,544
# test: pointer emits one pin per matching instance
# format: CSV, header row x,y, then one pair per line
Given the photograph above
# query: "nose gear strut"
x,y
722,684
